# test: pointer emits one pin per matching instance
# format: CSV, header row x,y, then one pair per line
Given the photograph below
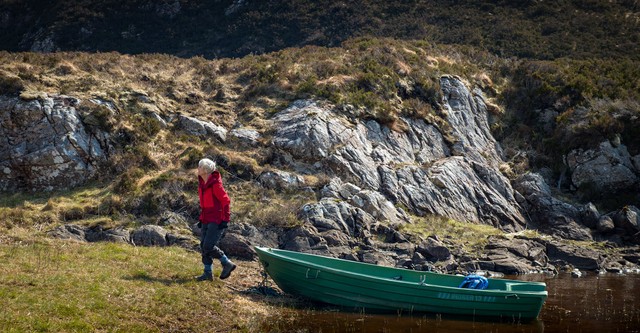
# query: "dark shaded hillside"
x,y
225,28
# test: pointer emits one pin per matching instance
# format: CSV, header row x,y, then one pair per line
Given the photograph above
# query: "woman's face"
x,y
202,173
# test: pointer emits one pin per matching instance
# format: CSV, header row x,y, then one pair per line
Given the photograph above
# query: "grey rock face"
x,y
605,169
414,167
44,145
372,202
461,189
467,115
313,133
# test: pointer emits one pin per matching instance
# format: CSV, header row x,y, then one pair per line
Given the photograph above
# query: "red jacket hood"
x,y
213,178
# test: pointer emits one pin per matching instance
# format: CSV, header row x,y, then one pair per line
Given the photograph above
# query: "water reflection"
x,y
595,303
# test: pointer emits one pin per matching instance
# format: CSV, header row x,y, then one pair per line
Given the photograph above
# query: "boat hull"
x,y
359,285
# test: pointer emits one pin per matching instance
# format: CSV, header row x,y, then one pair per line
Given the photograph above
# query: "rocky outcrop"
x,y
372,202
415,167
44,144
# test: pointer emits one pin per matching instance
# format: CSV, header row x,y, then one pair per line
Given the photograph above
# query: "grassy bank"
x,y
60,286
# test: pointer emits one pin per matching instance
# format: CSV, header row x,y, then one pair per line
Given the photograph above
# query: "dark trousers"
x,y
211,235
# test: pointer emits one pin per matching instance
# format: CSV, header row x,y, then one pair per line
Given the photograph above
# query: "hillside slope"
x,y
358,151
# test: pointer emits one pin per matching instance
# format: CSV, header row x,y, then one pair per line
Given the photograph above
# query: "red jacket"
x,y
214,201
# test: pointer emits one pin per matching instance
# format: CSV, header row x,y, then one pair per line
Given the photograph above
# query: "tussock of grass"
x,y
260,207
41,210
468,236
58,286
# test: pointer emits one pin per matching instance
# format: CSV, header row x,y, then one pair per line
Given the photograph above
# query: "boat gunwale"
x,y
414,285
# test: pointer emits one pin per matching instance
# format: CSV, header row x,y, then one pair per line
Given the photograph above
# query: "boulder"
x,y
201,128
239,240
605,224
169,218
590,215
513,256
69,231
433,249
246,135
184,241
44,145
605,169
551,215
281,180
578,257
99,234
376,258
149,235
331,214
301,239
90,234
626,219
527,249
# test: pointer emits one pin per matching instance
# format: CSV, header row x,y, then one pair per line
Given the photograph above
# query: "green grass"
x,y
58,286
468,236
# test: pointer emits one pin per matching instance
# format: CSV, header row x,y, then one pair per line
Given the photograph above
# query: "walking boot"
x,y
206,276
227,269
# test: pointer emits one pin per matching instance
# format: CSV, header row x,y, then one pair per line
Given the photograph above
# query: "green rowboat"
x,y
359,285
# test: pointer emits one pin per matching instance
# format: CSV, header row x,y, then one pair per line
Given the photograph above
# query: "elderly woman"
x,y
214,218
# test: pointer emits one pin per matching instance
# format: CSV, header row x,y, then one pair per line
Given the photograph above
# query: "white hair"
x,y
208,165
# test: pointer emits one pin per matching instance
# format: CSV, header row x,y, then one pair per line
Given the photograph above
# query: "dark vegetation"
x,y
578,29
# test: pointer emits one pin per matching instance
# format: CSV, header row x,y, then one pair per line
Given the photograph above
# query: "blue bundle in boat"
x,y
474,281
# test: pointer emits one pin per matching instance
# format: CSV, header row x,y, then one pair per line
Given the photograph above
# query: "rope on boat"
x,y
264,287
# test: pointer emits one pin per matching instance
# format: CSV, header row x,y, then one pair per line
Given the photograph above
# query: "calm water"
x,y
606,303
